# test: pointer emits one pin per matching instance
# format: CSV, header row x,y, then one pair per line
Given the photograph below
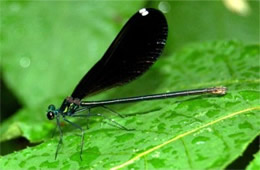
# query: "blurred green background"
x,y
47,46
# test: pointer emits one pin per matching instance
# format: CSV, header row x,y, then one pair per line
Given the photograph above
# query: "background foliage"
x,y
46,47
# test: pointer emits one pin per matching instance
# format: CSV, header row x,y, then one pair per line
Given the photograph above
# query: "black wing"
x,y
134,50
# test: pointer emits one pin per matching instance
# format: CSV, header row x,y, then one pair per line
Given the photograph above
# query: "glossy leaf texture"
x,y
47,47
185,133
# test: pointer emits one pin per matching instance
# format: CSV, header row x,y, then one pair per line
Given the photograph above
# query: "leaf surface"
x,y
188,132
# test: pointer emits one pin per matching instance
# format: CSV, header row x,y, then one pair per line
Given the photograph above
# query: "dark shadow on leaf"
x,y
243,161
13,145
9,102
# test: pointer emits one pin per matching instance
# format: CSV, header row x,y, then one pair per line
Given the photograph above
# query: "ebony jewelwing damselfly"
x,y
134,50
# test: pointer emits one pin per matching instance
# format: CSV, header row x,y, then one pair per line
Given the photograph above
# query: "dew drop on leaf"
x,y
236,135
156,155
199,140
25,62
135,150
245,125
174,152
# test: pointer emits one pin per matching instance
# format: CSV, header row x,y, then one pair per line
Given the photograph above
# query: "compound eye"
x,y
51,107
50,115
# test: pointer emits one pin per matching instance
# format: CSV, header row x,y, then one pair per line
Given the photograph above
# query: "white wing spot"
x,y
143,12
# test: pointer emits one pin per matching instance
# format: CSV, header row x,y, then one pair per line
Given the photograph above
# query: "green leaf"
x,y
199,21
29,123
187,133
255,164
47,47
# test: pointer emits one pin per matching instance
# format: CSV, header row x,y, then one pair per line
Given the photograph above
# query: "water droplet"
x,y
200,114
237,98
212,113
135,150
195,124
45,154
184,122
236,135
202,131
175,126
165,7
156,155
22,164
139,122
174,152
245,125
161,126
209,129
201,157
199,140
25,62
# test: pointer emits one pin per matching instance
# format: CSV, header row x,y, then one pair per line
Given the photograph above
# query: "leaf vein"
x,y
137,157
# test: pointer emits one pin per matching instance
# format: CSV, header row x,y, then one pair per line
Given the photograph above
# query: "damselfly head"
x,y
51,112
